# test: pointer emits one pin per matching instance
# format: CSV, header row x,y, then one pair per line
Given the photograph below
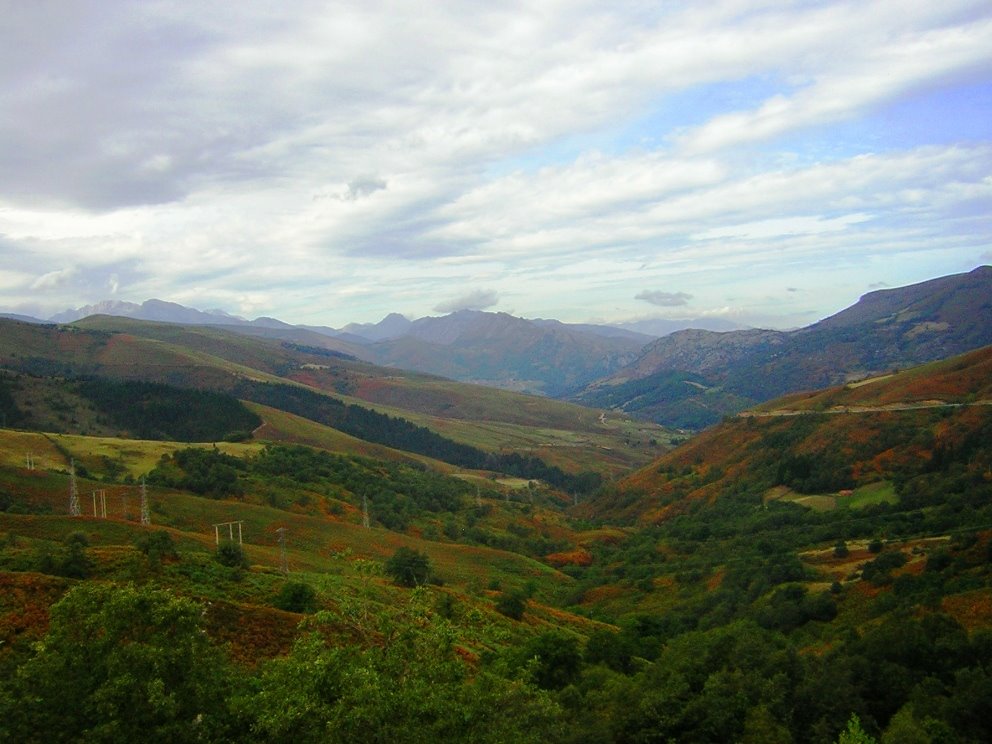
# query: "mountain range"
x,y
692,378
689,378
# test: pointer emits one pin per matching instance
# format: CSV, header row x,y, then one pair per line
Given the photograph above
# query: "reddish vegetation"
x,y
24,602
973,609
602,593
577,557
253,632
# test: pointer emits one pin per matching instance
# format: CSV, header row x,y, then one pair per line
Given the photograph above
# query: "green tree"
x,y
854,734
409,567
122,664
511,604
157,546
409,686
905,729
232,555
555,659
296,596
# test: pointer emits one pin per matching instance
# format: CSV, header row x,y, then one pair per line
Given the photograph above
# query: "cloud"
x,y
664,299
278,157
53,279
478,299
362,187
874,69
877,285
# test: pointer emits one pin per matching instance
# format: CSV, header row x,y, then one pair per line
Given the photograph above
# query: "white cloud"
x,y
798,225
329,162
53,278
664,299
479,299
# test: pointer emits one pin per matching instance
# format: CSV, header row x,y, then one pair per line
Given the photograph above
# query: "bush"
x,y
157,546
512,605
297,597
409,567
231,554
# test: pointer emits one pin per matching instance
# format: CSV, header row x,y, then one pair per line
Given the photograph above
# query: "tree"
x,y
297,597
511,604
556,659
854,734
615,650
413,688
231,554
157,547
122,664
409,567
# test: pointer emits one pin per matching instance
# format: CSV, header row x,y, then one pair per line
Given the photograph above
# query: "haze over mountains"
x,y
689,378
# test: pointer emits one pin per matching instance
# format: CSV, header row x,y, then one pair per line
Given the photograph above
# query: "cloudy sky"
x,y
327,162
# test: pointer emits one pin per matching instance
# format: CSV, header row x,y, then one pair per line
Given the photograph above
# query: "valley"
x,y
319,528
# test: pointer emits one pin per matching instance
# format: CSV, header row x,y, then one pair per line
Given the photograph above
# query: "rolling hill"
x,y
889,429
692,378
823,557
260,369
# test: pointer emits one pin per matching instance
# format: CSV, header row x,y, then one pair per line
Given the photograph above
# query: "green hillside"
x,y
824,557
223,361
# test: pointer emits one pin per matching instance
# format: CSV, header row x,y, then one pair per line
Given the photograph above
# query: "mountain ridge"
x,y
887,329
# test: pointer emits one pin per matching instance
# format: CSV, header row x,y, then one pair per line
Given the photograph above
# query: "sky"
x,y
332,162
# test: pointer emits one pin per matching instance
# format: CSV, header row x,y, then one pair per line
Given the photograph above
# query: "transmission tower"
x,y
74,510
365,511
283,561
146,517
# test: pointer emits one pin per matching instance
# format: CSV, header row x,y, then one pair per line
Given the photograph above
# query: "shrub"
x,y
231,554
157,546
297,597
409,567
512,605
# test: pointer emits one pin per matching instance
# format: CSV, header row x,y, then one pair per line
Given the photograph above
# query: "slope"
x,y
888,429
219,360
885,330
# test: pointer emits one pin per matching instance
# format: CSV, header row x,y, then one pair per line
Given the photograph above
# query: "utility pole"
x,y
283,561
365,511
74,510
146,518
103,503
230,531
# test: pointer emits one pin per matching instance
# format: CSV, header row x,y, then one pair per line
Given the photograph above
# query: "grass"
x,y
311,539
883,492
